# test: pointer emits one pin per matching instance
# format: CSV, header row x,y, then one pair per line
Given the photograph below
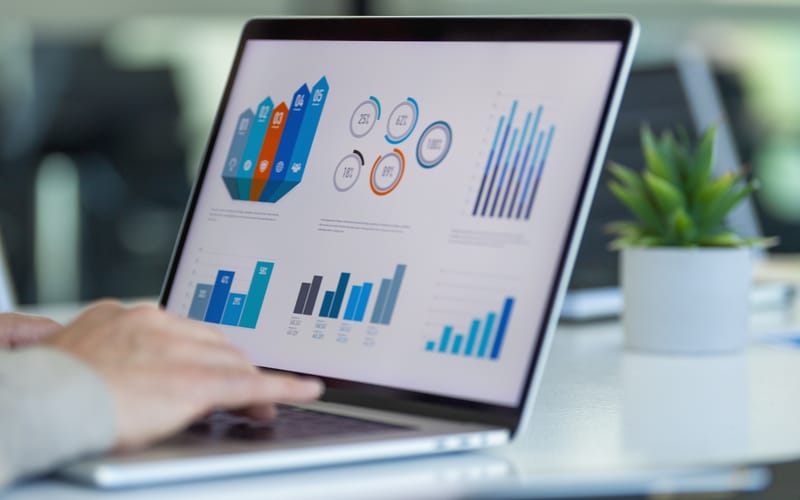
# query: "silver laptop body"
x,y
393,205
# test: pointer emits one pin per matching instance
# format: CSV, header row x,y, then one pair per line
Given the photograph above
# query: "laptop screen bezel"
x,y
430,29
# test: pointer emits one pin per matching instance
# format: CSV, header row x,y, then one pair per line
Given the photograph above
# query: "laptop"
x,y
393,205
679,94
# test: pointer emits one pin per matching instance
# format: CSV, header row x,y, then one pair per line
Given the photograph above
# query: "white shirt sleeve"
x,y
53,408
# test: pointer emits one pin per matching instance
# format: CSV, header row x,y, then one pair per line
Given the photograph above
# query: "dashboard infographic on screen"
x,y
394,212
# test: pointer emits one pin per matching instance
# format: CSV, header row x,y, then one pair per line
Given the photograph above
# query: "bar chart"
x,y
359,298
270,147
216,303
514,165
484,338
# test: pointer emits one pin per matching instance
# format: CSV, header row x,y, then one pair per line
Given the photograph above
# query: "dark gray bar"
x,y
301,298
312,295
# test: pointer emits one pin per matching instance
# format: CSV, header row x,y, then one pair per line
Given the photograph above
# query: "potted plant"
x,y
685,274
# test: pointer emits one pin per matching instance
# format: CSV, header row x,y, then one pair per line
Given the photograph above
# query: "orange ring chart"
x,y
387,172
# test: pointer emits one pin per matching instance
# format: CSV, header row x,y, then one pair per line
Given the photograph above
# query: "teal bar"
x,y
473,334
380,302
236,151
202,294
430,346
256,293
457,344
487,333
254,141
233,309
327,301
391,298
445,338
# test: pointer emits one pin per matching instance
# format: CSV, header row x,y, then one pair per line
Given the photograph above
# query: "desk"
x,y
601,410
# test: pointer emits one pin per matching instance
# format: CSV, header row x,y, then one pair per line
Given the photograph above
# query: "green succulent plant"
x,y
676,201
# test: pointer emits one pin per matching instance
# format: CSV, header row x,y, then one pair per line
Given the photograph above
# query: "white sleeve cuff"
x,y
53,408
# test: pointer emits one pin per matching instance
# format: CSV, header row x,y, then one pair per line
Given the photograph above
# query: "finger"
x,y
206,354
235,389
194,329
20,329
98,313
263,412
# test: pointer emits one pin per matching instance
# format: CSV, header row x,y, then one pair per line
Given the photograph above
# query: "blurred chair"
x,y
7,296
117,130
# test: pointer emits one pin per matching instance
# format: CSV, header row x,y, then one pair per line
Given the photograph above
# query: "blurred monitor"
x,y
677,95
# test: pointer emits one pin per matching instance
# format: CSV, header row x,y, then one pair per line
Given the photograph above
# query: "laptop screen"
x,y
393,213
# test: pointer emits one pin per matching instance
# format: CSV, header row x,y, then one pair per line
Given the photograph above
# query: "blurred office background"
x,y
105,108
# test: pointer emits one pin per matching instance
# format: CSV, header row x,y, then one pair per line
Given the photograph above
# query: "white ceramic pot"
x,y
686,300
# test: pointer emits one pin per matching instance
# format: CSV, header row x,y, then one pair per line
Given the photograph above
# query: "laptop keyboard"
x,y
290,423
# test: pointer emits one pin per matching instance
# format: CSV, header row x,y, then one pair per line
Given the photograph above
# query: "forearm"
x,y
53,409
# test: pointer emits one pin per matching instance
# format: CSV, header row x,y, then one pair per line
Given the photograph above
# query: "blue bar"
x,y
305,138
503,173
430,345
361,308
487,333
233,309
352,302
338,297
445,338
202,294
516,162
235,152
383,292
539,171
253,148
283,156
528,178
222,286
256,293
473,335
524,162
391,300
327,300
501,327
499,157
457,344
488,164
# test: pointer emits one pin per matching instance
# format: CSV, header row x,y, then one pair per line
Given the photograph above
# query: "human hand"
x,y
19,329
166,371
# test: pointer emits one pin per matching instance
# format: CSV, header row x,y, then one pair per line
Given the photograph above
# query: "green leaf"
x,y
657,163
625,229
684,227
638,205
720,207
702,165
666,195
629,178
707,194
723,239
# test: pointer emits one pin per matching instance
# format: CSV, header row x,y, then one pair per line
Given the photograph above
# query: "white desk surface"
x,y
601,411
